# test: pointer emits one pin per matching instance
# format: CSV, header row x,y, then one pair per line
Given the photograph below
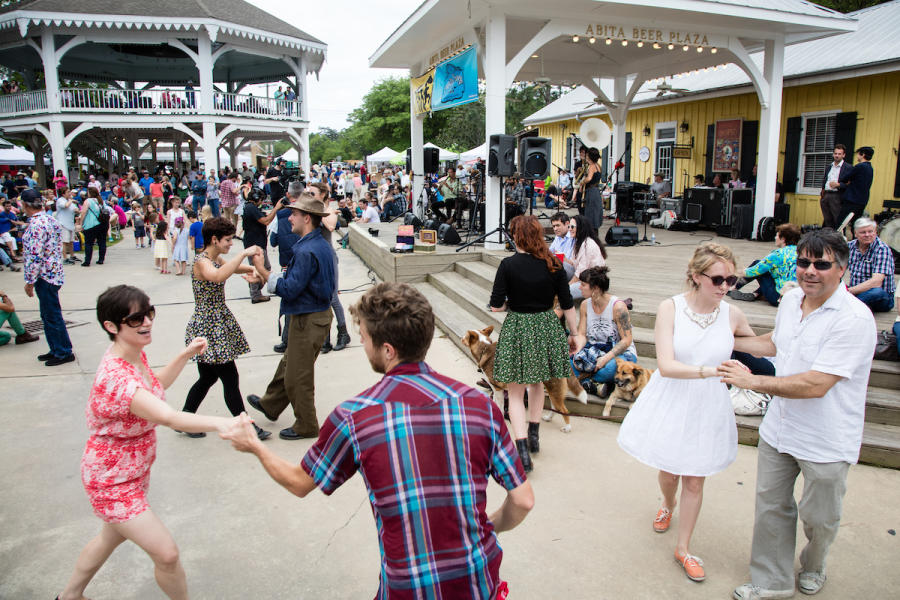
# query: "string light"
x,y
608,41
671,46
685,48
575,38
714,50
640,44
699,48
624,42
656,46
592,39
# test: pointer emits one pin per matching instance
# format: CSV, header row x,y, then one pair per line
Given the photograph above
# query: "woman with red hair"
x,y
532,346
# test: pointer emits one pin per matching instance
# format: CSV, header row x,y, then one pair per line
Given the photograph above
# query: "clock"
x,y
644,154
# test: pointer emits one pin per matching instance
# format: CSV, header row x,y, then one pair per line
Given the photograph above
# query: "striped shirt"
x,y
425,445
876,259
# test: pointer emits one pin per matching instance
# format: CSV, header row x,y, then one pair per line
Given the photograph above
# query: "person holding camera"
x,y
255,223
273,180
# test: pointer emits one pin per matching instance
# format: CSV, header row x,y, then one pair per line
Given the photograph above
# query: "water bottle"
x,y
653,238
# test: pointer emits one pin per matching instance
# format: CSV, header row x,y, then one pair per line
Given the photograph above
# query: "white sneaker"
x,y
810,582
748,591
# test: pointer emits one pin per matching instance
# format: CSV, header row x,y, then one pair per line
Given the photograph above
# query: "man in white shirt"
x,y
830,195
823,343
370,214
563,243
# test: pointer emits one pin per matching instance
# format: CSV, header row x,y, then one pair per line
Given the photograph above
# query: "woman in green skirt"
x,y
532,346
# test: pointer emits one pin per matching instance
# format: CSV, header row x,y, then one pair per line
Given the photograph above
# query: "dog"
x,y
483,351
630,380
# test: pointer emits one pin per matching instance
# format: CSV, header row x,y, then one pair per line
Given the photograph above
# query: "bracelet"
x,y
700,371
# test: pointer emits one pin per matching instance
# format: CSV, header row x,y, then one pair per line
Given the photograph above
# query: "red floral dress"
x,y
115,467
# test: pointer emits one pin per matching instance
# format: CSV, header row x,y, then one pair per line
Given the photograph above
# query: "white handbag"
x,y
748,403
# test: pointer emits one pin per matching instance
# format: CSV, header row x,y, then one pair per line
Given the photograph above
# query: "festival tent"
x,y
382,156
17,156
290,156
474,153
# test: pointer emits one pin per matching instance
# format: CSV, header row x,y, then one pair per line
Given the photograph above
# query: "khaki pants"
x,y
228,213
775,525
294,380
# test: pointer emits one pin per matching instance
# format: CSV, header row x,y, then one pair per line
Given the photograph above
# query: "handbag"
x,y
886,346
748,403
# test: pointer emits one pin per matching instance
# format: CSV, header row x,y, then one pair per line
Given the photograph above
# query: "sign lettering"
x,y
647,34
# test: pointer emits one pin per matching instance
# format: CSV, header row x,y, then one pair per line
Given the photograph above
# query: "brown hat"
x,y
309,204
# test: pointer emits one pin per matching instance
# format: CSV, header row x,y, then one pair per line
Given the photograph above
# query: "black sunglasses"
x,y
820,265
137,319
718,280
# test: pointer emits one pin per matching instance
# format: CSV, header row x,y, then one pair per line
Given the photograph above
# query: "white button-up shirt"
x,y
837,338
834,174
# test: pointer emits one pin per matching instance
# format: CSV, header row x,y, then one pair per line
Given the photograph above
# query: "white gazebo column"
x,y
210,147
619,116
769,131
51,76
303,152
494,115
416,138
57,140
205,68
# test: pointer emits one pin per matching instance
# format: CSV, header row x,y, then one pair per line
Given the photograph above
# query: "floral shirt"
x,y
42,243
781,263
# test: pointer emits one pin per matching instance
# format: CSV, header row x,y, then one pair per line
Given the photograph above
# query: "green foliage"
x,y
846,6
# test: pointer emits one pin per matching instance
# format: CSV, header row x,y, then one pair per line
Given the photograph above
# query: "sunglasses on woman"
x,y
137,319
820,265
718,280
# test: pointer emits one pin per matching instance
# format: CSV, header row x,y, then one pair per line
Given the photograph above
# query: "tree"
x,y
846,6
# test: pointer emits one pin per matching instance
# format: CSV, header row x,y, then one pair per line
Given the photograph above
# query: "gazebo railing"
x,y
23,103
248,104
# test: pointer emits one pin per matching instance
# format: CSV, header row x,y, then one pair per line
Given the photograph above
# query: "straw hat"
x,y
308,203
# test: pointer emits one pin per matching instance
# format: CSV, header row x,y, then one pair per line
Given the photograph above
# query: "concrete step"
x,y
885,374
450,317
470,295
479,272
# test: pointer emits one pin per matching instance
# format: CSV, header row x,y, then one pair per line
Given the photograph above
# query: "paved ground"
x,y
242,536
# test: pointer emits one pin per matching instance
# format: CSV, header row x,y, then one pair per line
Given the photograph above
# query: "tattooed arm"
x,y
622,318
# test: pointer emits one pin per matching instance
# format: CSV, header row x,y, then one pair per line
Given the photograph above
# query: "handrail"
x,y
23,103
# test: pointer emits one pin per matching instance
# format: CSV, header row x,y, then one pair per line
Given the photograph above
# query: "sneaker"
x,y
810,582
662,521
748,591
54,361
693,566
589,386
743,296
68,261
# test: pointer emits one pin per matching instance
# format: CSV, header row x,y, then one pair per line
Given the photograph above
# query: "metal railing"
x,y
23,103
248,104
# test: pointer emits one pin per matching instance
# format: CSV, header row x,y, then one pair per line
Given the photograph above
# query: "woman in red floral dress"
x,y
126,404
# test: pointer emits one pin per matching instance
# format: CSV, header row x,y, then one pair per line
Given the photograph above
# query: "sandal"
x,y
693,566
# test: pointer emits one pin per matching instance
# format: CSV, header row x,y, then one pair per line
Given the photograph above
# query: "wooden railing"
x,y
24,103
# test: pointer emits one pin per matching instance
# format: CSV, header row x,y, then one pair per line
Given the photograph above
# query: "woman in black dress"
x,y
593,201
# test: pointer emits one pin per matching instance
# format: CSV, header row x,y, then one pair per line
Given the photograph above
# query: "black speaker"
x,y
501,155
431,225
430,161
412,219
740,223
409,160
782,213
448,235
534,157
622,236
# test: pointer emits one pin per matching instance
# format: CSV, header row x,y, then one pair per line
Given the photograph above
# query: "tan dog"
x,y
483,351
630,380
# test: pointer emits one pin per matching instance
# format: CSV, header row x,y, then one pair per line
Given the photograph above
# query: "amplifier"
x,y
782,213
740,223
734,197
693,212
621,236
673,204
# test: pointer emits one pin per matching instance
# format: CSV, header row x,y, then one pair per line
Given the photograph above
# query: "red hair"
x,y
529,236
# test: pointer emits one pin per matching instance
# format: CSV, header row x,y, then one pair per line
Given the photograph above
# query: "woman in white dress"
x,y
683,422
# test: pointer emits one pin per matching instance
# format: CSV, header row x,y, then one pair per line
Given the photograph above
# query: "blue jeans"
x,y
51,315
757,366
608,372
198,203
766,286
213,206
877,299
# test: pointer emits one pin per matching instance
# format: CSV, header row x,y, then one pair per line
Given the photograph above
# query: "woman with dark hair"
x,y
60,182
213,320
604,333
593,201
126,404
587,252
532,346
773,272
94,220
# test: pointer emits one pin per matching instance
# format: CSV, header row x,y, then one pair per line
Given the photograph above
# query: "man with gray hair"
x,y
823,343
871,267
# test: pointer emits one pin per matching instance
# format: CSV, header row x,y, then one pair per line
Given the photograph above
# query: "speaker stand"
x,y
501,229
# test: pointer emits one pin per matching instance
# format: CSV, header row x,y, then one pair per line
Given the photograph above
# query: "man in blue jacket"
x,y
284,239
856,186
305,288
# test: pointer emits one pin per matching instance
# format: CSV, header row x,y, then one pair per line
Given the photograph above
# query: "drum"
x,y
890,235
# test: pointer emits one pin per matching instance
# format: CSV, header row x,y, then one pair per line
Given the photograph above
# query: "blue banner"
x,y
455,81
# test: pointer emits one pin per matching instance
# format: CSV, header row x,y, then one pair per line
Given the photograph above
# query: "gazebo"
x,y
612,48
171,71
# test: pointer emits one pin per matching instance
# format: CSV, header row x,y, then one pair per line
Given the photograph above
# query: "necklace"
x,y
702,320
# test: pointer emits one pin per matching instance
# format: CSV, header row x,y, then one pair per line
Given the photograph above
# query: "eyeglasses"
x,y
820,265
572,226
718,280
137,319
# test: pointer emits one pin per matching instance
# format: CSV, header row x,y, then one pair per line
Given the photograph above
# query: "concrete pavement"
x,y
242,536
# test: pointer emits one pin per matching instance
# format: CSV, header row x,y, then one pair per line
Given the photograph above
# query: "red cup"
x,y
561,257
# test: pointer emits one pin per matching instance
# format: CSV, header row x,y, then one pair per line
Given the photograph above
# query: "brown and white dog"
x,y
630,380
483,351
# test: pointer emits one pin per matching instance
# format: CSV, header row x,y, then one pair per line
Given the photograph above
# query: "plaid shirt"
x,y
877,259
425,445
42,246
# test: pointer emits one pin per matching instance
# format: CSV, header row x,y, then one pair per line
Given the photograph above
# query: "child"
x,y
137,220
180,246
196,229
161,247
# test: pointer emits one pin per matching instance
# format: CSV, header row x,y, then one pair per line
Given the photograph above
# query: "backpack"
x,y
103,217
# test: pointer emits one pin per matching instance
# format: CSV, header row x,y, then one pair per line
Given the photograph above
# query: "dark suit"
x,y
856,191
831,200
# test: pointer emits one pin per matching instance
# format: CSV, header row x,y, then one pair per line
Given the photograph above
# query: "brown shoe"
x,y
24,338
259,299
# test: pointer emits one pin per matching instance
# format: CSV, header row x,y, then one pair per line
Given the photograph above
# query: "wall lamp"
x,y
683,127
646,130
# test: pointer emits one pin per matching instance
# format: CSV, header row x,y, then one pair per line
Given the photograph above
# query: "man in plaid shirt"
x,y
426,446
871,268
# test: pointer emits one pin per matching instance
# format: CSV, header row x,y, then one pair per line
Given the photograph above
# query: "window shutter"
x,y
792,153
627,159
710,150
845,132
568,162
749,135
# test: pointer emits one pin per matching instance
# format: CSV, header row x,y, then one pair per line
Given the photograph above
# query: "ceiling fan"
x,y
598,102
665,88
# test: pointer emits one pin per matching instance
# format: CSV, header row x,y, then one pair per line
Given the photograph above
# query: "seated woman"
x,y
8,314
774,271
604,333
588,252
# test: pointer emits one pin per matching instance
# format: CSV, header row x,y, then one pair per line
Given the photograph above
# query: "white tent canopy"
x,y
291,155
474,153
382,156
443,153
17,156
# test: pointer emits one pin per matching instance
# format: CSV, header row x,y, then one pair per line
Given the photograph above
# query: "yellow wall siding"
x,y
875,99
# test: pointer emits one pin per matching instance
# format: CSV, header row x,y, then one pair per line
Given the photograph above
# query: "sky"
x,y
353,30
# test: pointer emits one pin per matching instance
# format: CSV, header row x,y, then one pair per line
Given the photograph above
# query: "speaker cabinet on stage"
x,y
430,160
448,235
534,157
621,236
740,223
501,155
782,213
411,219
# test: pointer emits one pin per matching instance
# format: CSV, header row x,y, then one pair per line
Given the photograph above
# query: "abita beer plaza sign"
x,y
650,35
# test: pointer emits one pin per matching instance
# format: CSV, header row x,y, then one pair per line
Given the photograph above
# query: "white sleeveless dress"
x,y
686,426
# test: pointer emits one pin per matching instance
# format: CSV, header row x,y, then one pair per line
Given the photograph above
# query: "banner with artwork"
x,y
456,81
727,151
421,90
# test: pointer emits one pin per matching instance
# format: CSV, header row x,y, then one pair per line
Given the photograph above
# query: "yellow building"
x,y
843,89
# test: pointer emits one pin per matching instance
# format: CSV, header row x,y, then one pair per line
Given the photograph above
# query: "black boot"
x,y
343,338
522,447
506,405
327,347
534,442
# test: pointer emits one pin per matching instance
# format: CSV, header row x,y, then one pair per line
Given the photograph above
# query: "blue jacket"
x,y
858,184
283,237
846,167
199,187
309,282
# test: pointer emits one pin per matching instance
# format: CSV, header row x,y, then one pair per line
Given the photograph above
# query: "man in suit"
x,y
832,191
856,186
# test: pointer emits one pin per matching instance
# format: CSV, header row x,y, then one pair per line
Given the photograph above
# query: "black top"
x,y
254,231
528,286
276,190
595,179
858,184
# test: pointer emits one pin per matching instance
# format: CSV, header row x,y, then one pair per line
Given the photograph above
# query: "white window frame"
x,y
673,125
801,162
